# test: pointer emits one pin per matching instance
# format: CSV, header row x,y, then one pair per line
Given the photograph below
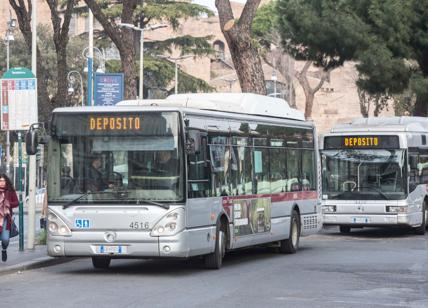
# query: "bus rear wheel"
x,y
345,229
422,228
291,245
101,262
215,260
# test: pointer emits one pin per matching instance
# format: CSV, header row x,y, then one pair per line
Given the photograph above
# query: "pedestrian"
x,y
8,201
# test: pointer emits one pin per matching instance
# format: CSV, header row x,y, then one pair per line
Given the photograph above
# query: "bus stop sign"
x,y
18,95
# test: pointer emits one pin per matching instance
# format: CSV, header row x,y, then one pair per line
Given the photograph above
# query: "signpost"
x,y
18,93
108,89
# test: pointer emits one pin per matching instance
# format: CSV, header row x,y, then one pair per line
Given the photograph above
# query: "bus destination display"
x,y
111,123
361,142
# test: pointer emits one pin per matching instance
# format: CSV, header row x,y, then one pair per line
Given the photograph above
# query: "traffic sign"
x,y
18,89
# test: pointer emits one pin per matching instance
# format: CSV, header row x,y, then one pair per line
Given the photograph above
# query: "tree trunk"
x,y
310,92
122,38
127,55
244,55
61,39
420,107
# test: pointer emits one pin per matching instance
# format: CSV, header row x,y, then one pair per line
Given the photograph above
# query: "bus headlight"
x,y
56,226
329,209
170,224
396,209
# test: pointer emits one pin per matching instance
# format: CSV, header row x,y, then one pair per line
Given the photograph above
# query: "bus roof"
x,y
242,103
383,124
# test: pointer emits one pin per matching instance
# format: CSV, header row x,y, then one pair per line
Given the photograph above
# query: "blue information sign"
x,y
108,89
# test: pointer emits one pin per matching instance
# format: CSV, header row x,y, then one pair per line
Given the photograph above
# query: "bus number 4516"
x,y
139,225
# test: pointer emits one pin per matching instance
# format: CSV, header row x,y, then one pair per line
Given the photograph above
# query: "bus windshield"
x,y
351,174
116,157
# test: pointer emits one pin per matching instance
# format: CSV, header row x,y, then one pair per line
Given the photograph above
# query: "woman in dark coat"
x,y
8,201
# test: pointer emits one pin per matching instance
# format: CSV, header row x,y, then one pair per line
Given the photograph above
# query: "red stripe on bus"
x,y
288,196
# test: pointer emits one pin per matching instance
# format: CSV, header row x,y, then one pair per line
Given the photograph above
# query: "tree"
x,y
386,38
132,12
309,91
61,28
238,37
266,31
47,101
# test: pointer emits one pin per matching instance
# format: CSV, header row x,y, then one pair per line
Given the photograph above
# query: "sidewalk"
x,y
18,261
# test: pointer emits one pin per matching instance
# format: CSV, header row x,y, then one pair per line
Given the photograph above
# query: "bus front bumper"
x,y
359,219
132,244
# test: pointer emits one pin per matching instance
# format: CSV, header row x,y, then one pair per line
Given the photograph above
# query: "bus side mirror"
x,y
31,141
36,135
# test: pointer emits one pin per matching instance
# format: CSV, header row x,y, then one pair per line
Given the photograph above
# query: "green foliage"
x,y
188,45
171,11
265,25
381,35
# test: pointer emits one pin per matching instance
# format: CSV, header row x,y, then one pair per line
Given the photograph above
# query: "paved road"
x,y
369,268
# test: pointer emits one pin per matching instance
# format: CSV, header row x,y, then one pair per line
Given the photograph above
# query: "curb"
x,y
35,264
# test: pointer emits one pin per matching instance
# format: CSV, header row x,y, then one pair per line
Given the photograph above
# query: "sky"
x,y
210,3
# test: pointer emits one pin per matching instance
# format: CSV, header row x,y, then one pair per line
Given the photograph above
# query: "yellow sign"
x,y
360,142
106,123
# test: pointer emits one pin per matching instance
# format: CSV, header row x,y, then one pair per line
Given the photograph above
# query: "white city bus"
x,y
242,171
375,173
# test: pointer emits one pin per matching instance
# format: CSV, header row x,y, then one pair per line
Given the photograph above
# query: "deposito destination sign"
x,y
18,89
362,142
114,123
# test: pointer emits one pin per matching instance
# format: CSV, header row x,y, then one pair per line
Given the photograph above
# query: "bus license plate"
x,y
360,220
104,249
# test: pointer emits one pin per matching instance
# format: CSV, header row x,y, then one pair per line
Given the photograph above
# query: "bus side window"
x,y
293,170
308,169
424,173
198,168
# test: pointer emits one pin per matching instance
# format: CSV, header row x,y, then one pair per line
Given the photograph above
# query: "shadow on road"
x,y
183,267
371,233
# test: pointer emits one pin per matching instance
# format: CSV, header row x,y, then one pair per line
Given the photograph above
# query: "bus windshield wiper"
x,y
376,190
81,196
165,206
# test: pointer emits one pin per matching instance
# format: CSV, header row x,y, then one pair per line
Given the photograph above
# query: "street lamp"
x,y
176,67
86,53
102,67
230,81
135,28
71,79
274,78
11,25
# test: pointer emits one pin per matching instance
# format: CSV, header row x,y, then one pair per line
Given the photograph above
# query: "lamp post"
x,y
135,28
88,54
71,79
11,25
176,67
230,82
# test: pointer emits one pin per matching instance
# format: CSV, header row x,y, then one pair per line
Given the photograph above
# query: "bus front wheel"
x,y
101,262
422,228
215,260
345,229
291,244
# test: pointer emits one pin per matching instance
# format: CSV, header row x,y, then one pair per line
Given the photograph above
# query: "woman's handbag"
x,y
13,229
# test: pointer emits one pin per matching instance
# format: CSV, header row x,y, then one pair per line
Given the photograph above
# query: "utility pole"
x,y
32,158
11,24
90,57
